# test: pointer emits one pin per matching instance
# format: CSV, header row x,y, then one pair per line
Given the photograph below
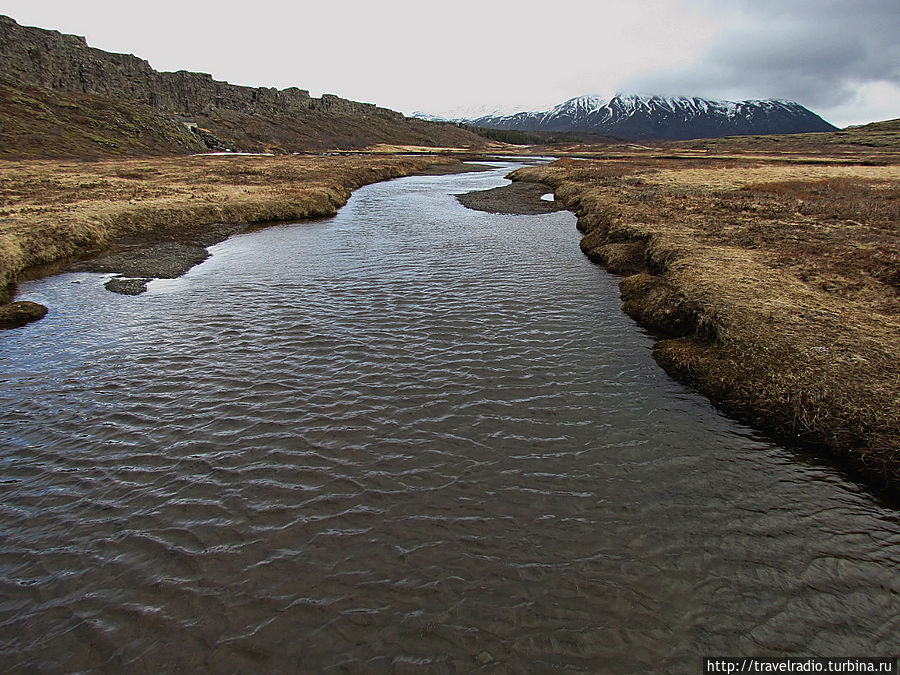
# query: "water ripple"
x,y
407,438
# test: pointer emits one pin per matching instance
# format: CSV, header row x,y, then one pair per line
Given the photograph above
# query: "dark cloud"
x,y
817,52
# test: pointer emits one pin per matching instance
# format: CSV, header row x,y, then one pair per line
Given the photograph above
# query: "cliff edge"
x,y
49,67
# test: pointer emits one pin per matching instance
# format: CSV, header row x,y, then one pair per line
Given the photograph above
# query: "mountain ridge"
x,y
637,117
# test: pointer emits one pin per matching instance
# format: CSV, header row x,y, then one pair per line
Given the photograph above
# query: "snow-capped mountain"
x,y
655,117
419,115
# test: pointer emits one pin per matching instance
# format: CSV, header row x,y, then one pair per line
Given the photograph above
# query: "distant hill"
x,y
635,117
880,139
87,102
887,127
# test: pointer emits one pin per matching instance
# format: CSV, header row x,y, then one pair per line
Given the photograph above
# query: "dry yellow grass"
x,y
723,178
53,210
386,148
775,286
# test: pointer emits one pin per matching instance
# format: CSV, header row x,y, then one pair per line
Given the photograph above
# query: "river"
x,y
409,438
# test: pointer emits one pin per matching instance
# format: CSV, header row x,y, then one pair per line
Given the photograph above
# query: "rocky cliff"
x,y
53,60
241,118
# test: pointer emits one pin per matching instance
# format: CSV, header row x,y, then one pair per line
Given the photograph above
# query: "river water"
x,y
409,438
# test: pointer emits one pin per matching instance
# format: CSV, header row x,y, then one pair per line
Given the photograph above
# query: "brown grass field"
x,y
52,210
772,282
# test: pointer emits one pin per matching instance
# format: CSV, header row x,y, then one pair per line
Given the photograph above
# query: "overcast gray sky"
x,y
840,58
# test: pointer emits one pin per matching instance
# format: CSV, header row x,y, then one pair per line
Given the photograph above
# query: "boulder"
x,y
15,314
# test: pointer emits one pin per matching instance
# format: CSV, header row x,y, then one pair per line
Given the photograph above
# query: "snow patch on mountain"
x,y
418,114
632,116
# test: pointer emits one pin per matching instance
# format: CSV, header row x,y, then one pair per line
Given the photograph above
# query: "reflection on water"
x,y
411,437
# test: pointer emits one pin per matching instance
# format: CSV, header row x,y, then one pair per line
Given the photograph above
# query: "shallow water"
x,y
412,437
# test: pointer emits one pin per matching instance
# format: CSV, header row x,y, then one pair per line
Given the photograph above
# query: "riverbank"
x,y
155,217
773,287
517,198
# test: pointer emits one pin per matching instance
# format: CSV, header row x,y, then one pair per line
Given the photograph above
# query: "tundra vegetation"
x,y
52,211
769,269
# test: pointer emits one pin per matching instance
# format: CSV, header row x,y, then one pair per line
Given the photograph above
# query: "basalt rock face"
x,y
38,123
240,118
53,60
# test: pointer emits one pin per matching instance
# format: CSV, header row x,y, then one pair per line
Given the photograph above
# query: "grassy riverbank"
x,y
56,210
773,282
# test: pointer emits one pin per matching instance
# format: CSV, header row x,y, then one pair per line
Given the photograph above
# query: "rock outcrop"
x,y
222,115
52,60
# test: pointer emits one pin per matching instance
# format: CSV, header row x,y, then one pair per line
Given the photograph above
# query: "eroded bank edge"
x,y
139,246
688,349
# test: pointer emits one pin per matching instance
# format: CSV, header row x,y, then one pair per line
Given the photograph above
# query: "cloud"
x,y
825,54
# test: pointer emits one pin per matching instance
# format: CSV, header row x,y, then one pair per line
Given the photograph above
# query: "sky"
x,y
840,58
